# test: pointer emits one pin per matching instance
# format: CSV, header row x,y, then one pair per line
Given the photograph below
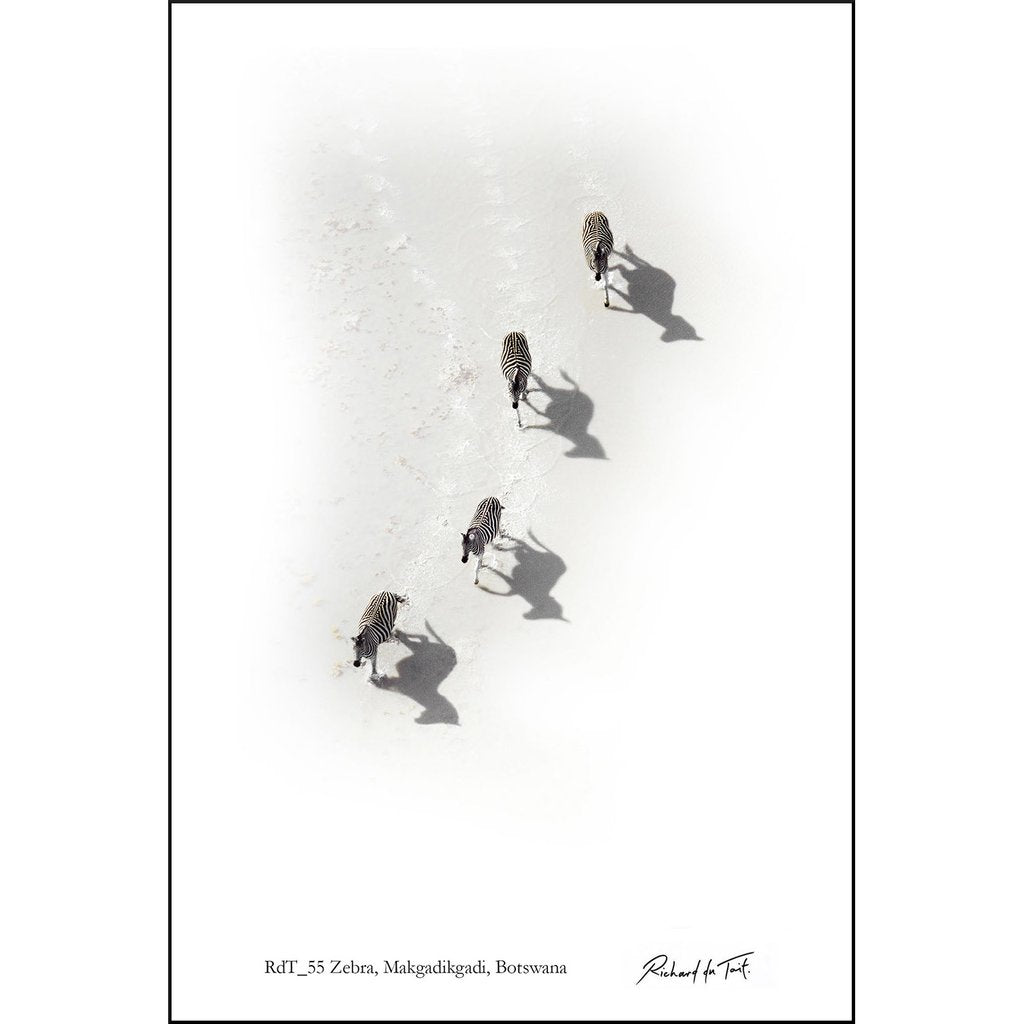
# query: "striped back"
x,y
377,621
597,241
484,526
515,362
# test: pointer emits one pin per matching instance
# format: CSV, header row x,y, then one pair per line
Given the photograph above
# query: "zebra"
x,y
483,528
376,628
515,365
597,245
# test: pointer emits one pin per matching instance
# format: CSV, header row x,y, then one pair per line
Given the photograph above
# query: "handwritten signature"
x,y
724,969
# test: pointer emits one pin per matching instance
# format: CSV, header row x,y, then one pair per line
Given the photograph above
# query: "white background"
x,y
940,503
668,769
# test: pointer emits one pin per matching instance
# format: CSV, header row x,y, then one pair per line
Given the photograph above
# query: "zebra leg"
x,y
373,669
479,559
606,289
519,418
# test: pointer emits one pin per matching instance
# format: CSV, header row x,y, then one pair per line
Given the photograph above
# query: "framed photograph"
x,y
512,477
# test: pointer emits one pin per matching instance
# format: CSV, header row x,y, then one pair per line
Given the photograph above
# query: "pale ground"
x,y
644,747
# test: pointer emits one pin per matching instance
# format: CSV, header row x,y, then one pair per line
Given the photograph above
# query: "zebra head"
x,y
517,388
361,648
467,543
600,262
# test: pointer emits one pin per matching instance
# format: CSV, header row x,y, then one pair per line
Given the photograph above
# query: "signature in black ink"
x,y
724,969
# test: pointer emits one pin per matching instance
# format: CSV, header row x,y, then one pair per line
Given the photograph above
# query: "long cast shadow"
x,y
651,293
568,412
533,577
421,673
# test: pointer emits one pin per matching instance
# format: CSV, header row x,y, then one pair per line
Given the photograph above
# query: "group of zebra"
x,y
377,624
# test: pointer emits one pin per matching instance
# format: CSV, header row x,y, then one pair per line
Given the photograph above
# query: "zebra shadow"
x,y
651,293
568,412
421,673
533,577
